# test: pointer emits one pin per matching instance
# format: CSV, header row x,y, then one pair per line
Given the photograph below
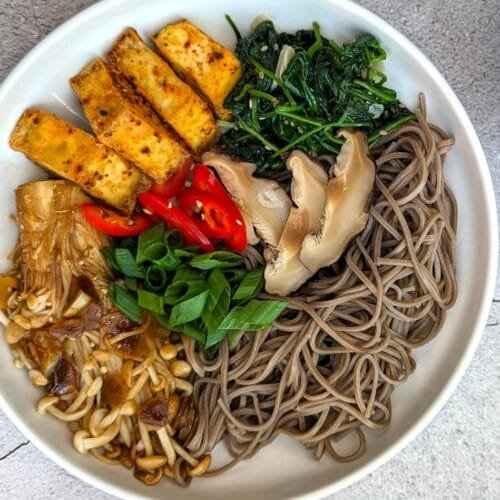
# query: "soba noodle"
x,y
328,367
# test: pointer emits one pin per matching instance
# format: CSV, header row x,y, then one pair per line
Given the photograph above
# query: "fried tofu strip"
x,y
176,103
127,125
200,61
72,154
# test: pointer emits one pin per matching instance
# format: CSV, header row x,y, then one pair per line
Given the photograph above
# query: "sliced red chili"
x,y
176,218
110,222
238,239
175,183
211,214
205,180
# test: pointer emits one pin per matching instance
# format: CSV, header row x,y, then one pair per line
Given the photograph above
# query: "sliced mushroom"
x,y
346,201
63,379
261,200
154,411
114,390
285,273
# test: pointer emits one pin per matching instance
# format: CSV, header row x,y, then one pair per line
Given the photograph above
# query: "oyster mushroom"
x,y
346,200
285,272
261,201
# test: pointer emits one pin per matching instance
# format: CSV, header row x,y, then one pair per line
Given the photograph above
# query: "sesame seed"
x,y
383,132
261,75
147,212
239,222
199,204
276,46
250,104
188,184
170,204
264,48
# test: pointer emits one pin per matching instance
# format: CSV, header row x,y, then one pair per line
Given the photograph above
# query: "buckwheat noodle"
x,y
328,367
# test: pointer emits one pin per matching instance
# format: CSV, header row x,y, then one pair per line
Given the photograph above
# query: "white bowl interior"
x,y
284,469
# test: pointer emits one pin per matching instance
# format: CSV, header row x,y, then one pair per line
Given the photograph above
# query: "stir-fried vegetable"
x,y
206,296
278,106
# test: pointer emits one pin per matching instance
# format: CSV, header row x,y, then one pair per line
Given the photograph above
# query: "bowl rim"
x,y
491,226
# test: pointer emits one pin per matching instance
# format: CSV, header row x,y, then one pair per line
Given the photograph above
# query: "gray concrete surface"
x,y
458,455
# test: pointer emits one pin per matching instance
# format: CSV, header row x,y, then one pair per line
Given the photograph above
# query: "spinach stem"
x,y
300,139
251,90
233,26
387,95
299,118
333,138
376,136
318,43
244,126
274,78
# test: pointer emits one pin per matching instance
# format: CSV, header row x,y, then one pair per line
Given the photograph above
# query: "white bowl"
x,y
283,469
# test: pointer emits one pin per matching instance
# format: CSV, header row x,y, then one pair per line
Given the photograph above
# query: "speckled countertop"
x,y
458,455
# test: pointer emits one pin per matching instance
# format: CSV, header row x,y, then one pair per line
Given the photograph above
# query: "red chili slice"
x,y
205,180
238,240
175,183
176,218
210,214
110,222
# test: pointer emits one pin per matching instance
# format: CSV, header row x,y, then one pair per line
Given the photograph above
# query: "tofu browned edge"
x,y
152,77
201,61
127,124
71,153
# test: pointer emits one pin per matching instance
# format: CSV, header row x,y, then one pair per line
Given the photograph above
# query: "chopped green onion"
x,y
254,316
218,301
150,301
251,285
126,262
151,236
219,258
156,278
188,311
124,301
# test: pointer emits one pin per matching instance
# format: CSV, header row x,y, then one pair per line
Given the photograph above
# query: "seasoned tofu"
x,y
176,103
202,62
72,154
127,125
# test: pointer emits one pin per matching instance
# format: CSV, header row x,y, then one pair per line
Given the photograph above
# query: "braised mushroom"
x,y
285,272
63,379
347,197
154,412
262,201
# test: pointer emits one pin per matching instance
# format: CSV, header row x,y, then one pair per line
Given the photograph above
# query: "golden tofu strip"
x,y
202,62
130,128
72,154
176,103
